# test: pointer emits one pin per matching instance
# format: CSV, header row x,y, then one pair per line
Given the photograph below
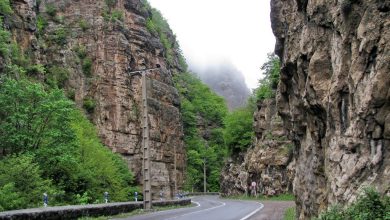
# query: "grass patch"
x,y
137,212
281,197
289,214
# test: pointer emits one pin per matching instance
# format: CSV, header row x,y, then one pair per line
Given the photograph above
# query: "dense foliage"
x,y
46,143
369,205
45,137
239,130
203,113
269,84
239,123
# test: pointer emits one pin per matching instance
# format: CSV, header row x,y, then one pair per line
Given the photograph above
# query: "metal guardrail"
x,y
77,211
203,193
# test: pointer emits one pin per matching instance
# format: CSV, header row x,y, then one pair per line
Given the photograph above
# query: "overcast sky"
x,y
211,31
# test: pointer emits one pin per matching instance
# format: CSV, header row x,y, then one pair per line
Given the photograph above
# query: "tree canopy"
x,y
203,114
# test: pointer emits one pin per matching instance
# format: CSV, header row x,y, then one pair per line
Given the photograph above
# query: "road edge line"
x,y
254,212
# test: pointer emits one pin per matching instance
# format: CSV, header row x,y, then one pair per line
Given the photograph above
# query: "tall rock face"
x,y
91,47
334,96
268,163
227,81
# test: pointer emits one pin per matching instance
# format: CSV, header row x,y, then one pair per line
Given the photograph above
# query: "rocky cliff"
x,y
334,96
269,161
89,48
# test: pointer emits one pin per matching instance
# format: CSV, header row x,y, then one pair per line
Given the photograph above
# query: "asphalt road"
x,y
207,207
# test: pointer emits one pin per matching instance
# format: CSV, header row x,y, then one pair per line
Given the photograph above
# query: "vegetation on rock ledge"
x,y
203,113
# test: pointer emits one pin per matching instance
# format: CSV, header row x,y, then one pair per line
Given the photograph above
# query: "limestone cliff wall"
x,y
81,30
334,96
268,162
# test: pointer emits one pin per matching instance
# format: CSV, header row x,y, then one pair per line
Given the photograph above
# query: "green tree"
x,y
268,85
239,130
100,169
62,147
31,118
21,184
200,105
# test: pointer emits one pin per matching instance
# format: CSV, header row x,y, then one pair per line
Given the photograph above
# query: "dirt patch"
x,y
273,210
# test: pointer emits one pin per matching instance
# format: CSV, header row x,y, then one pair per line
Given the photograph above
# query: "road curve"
x,y
207,207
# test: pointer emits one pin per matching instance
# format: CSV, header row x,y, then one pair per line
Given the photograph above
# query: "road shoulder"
x,y
273,210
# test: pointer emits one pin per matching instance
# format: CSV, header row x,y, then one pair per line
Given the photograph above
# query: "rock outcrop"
x,y
269,161
334,97
96,46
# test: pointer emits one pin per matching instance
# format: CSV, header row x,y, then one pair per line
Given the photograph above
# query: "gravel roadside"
x,y
273,210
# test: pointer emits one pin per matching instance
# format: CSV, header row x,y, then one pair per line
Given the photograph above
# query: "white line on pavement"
x,y
252,213
197,203
203,210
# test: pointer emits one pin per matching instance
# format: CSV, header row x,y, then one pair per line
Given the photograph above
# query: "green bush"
x,y
51,10
89,104
10,197
59,36
113,15
41,24
238,131
25,108
116,15
101,170
151,26
37,69
59,19
21,183
369,205
87,66
83,24
51,147
5,39
71,94
81,51
57,76
5,8
269,84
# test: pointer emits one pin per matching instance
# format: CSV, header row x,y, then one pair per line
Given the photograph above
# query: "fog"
x,y
212,32
226,80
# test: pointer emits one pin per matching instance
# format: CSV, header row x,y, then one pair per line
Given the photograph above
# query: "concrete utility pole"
x,y
204,169
145,140
145,145
174,171
204,175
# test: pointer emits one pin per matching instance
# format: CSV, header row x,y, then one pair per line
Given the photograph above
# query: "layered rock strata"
x,y
268,163
334,97
99,45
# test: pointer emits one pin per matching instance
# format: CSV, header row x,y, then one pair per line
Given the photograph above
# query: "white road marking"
x,y
252,213
197,203
203,210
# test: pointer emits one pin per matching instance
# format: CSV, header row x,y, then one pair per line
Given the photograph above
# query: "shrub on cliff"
x,y
369,205
268,85
205,146
239,132
5,8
